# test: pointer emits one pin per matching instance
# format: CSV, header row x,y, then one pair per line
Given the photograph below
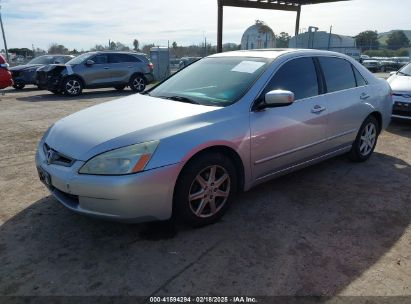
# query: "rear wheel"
x,y
137,83
205,189
19,86
366,140
72,86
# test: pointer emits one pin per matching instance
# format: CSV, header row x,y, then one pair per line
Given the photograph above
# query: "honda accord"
x,y
222,125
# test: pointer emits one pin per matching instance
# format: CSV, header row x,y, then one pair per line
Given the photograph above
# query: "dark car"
x,y
392,64
98,70
5,75
26,74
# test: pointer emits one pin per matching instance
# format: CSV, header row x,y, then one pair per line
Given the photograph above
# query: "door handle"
x,y
130,66
318,109
364,96
106,68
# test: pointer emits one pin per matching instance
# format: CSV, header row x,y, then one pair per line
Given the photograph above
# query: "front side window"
x,y
80,59
338,74
100,59
298,76
219,81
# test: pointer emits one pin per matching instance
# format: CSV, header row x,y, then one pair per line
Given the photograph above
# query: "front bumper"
x,y
141,197
48,81
24,77
401,108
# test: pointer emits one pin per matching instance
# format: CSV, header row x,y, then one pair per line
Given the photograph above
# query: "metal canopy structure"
x,y
285,5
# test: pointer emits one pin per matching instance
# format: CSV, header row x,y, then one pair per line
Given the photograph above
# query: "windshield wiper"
x,y
182,99
399,72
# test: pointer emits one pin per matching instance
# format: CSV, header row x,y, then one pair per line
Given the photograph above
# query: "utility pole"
x,y
4,36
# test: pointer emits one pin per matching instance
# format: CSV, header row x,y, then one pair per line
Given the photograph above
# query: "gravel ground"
x,y
336,228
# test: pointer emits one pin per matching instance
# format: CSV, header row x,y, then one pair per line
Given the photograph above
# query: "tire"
x,y
366,140
120,88
19,86
137,83
72,86
200,199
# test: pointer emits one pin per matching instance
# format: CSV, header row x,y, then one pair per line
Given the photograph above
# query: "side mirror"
x,y
393,73
89,62
276,98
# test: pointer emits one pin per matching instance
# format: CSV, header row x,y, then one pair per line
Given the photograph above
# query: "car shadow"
x,y
313,232
86,96
400,127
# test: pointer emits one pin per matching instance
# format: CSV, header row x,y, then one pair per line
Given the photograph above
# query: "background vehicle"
x,y
372,65
5,75
225,123
393,64
26,74
185,61
400,83
98,70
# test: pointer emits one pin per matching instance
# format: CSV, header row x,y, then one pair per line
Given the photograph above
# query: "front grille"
x,y
57,158
402,109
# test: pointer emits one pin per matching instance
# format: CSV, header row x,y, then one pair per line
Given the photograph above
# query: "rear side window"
x,y
298,76
338,74
119,58
359,78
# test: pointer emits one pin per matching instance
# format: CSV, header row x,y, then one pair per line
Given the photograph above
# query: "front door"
x,y
286,136
99,73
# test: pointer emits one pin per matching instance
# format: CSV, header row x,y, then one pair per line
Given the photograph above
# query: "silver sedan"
x,y
401,85
222,125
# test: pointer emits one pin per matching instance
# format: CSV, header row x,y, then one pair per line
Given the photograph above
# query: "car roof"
x,y
275,53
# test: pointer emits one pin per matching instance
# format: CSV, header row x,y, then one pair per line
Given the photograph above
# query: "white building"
x,y
258,36
314,39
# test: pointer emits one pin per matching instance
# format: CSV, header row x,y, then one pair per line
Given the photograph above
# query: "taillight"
x,y
151,66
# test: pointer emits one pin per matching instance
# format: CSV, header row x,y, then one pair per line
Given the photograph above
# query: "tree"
x,y
112,45
283,40
57,49
397,40
367,40
136,45
98,47
147,47
120,47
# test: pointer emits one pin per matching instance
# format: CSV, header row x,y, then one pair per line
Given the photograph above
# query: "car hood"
x,y
400,83
122,122
25,67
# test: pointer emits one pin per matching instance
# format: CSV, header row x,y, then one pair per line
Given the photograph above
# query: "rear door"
x,y
97,74
285,136
122,67
347,93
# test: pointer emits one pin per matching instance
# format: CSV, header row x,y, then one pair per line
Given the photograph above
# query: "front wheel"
x,y
72,86
366,140
120,87
205,189
137,83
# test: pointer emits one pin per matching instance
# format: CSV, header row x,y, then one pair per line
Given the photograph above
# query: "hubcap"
x,y
73,87
139,84
209,191
368,139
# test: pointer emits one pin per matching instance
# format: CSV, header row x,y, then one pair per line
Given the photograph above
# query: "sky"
x,y
82,24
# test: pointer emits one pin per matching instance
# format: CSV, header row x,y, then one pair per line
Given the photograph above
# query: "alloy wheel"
x,y
139,84
209,191
368,139
73,87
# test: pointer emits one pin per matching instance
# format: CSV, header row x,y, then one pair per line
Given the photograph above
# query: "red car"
x,y
5,75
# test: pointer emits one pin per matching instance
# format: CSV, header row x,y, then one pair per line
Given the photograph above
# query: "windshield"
x,y
80,59
42,60
218,81
406,70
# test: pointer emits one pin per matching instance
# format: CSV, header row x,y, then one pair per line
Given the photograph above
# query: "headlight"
x,y
127,160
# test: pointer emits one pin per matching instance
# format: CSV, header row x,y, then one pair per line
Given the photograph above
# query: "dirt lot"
x,y
336,228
